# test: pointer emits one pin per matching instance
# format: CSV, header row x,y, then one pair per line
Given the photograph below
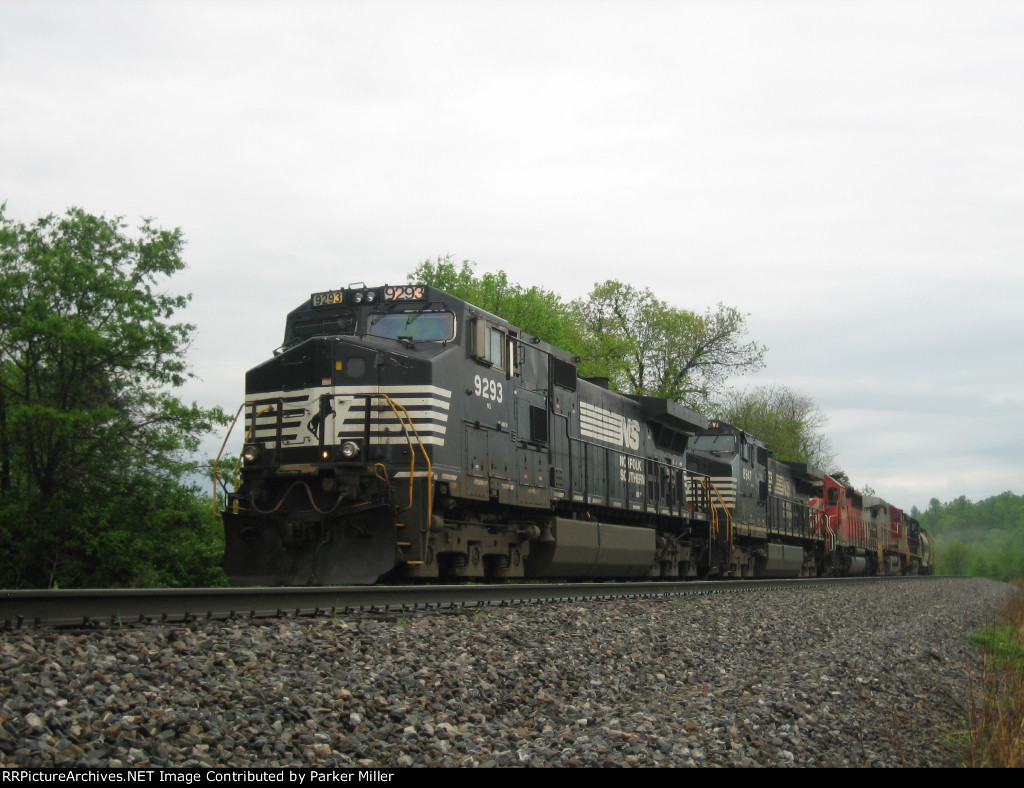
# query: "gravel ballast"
x,y
868,675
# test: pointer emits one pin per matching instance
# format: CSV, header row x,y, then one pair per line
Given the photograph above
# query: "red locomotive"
x,y
865,535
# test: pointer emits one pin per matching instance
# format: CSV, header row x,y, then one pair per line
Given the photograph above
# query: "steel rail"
x,y
68,607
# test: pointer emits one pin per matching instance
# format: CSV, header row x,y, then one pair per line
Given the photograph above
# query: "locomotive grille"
x,y
726,486
426,406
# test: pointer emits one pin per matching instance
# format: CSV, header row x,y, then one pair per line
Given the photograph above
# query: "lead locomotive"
x,y
402,433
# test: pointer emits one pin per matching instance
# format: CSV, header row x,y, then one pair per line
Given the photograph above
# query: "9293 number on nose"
x,y
488,388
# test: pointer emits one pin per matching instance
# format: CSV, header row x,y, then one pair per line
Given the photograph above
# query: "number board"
x,y
391,293
404,293
328,298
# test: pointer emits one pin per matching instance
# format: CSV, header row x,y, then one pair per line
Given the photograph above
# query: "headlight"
x,y
251,453
349,450
358,297
371,296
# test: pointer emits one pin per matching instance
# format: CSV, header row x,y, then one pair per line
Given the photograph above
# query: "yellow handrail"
x,y
412,464
709,485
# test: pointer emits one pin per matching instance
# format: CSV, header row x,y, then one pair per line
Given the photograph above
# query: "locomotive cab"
x,y
334,442
769,503
851,545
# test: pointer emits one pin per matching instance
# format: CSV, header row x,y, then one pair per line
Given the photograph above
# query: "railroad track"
x,y
97,607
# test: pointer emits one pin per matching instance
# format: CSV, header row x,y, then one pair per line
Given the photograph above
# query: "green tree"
x,y
983,538
644,346
955,559
789,422
89,356
641,344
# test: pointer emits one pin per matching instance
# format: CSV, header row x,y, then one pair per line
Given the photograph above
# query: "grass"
x,y
995,735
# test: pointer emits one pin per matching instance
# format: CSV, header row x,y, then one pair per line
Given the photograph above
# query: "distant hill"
x,y
985,539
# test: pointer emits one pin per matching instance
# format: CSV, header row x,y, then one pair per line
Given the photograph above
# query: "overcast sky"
x,y
850,174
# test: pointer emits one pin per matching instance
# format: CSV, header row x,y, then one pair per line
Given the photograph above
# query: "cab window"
x,y
321,326
495,347
490,345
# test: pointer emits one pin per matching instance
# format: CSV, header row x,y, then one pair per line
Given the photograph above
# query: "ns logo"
x,y
631,434
609,427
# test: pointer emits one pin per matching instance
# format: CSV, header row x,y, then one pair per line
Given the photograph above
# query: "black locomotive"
x,y
401,433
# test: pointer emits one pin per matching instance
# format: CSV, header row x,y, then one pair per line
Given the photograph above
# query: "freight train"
x,y
403,434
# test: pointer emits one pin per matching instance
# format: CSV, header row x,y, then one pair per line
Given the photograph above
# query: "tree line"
x,y
95,449
644,346
983,539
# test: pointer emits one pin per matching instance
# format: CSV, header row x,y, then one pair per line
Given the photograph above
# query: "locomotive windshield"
x,y
719,443
417,326
323,325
